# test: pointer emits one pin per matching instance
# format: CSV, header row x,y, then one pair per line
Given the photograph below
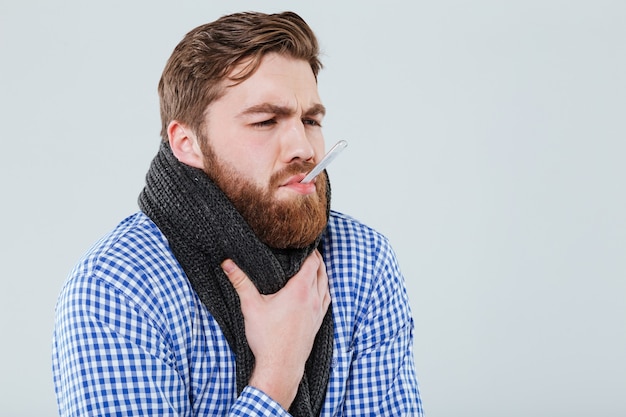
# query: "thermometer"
x,y
328,158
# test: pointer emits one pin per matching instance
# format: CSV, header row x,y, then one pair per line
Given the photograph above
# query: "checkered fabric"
x,y
132,338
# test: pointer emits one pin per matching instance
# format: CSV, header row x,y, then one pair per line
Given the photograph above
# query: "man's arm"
x,y
112,356
382,378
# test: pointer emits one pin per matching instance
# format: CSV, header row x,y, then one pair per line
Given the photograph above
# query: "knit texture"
x,y
203,228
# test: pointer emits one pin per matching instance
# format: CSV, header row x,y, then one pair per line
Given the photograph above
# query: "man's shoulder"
x,y
343,226
134,253
135,235
347,238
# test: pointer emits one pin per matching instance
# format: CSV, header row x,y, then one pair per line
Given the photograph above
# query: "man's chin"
x,y
288,194
292,224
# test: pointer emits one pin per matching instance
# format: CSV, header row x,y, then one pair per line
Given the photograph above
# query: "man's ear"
x,y
184,144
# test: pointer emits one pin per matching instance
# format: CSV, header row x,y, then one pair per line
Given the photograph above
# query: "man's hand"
x,y
281,327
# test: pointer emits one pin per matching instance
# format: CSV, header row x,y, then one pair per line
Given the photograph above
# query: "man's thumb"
x,y
238,279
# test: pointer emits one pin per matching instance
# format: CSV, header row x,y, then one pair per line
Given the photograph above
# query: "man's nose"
x,y
296,144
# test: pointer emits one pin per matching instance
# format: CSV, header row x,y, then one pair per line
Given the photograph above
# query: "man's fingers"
x,y
322,277
314,280
240,281
322,282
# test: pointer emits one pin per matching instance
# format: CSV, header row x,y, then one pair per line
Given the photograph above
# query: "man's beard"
x,y
293,223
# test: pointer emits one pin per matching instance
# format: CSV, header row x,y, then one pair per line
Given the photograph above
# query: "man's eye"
x,y
311,122
265,123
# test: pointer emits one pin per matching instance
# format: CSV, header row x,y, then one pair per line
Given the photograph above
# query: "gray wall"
x,y
487,141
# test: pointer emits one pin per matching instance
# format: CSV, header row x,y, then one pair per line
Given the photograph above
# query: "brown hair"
x,y
193,75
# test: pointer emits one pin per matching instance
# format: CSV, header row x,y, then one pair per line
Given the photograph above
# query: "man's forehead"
x,y
280,85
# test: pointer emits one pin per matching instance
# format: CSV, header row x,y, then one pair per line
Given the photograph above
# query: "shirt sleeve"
x,y
111,357
383,379
253,402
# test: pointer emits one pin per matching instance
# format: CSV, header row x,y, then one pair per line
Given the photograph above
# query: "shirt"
x,y
132,337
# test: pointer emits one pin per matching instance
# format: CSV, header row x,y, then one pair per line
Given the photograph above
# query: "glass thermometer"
x,y
328,158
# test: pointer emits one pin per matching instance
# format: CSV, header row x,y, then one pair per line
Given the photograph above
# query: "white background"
x,y
487,141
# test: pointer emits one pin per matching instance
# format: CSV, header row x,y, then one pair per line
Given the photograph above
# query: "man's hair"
x,y
193,75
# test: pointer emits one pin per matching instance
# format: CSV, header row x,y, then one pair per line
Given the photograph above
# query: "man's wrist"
x,y
279,385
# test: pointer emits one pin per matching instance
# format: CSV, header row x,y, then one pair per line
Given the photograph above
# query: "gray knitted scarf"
x,y
203,228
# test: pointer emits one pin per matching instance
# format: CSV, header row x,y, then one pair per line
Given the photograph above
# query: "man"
x,y
215,298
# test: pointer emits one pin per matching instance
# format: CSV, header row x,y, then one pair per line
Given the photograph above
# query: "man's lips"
x,y
294,179
293,183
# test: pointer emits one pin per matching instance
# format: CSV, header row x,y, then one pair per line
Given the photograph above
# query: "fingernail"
x,y
228,266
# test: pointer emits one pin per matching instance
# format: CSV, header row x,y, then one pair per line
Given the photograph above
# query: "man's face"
x,y
261,138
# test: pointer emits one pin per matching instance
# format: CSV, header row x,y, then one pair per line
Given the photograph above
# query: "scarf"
x,y
203,228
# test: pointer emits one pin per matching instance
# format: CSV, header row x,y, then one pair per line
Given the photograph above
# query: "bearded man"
x,y
215,298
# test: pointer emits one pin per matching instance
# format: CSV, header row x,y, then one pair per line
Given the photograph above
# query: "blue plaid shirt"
x,y
132,337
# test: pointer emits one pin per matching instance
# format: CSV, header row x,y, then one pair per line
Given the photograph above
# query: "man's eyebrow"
x,y
268,108
316,109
